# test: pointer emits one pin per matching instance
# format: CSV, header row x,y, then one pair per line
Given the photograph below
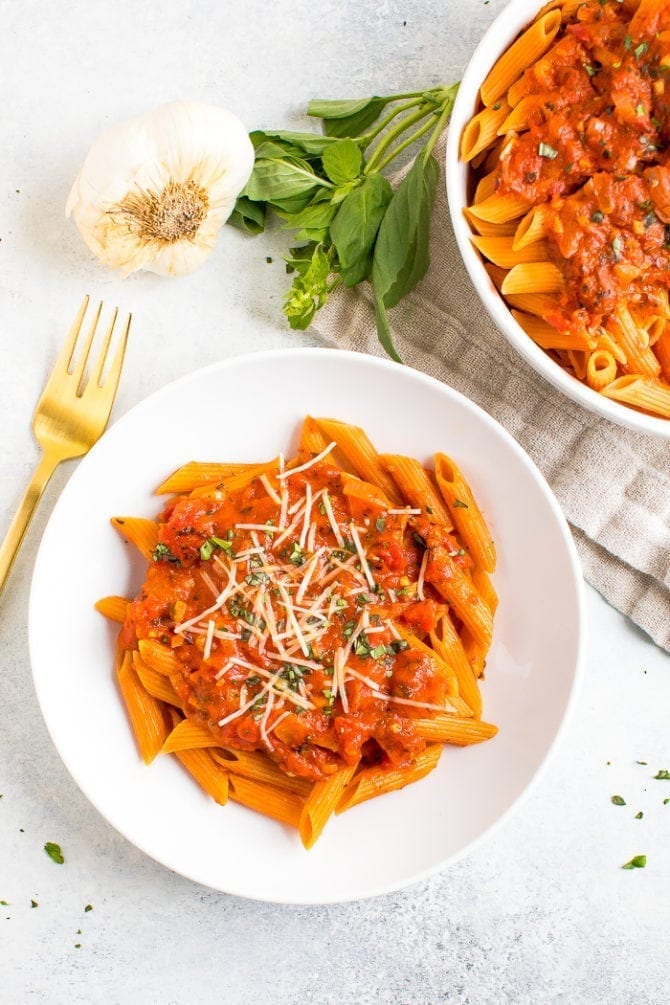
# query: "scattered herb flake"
x,y
89,907
617,247
33,903
641,762
663,775
162,553
638,816
459,504
618,800
54,852
640,49
380,523
637,862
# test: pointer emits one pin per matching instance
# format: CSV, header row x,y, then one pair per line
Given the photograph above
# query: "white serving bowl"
x,y
512,20
250,408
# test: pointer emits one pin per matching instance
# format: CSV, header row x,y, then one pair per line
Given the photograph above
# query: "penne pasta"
x,y
372,782
416,487
138,531
196,474
144,711
269,620
114,608
320,804
286,807
465,513
585,270
462,732
534,41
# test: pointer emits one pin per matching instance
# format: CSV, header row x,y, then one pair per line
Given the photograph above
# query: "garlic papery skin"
x,y
154,191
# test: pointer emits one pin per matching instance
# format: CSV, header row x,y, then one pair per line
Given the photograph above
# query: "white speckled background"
x,y
540,913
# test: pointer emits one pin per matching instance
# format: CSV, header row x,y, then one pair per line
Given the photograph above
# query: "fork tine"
x,y
117,362
102,359
67,352
80,369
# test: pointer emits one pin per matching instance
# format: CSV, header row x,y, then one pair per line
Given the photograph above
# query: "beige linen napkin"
x,y
612,484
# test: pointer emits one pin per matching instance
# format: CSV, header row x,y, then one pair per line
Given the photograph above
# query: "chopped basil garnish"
x,y
378,652
54,852
618,800
637,862
208,546
663,775
162,553
641,49
380,523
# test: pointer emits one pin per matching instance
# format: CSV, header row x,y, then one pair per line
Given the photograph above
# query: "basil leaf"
x,y
310,289
273,180
402,251
637,862
356,124
319,214
269,150
248,216
312,144
338,109
293,204
342,161
354,229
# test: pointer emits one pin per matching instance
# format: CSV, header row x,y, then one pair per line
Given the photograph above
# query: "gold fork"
x,y
70,416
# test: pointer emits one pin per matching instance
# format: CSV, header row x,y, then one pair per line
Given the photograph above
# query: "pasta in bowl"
x,y
245,411
557,184
310,632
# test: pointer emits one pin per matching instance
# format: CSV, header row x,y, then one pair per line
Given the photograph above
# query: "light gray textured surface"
x,y
540,913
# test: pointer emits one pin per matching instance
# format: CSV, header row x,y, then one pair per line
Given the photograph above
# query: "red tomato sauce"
x,y
597,154
201,545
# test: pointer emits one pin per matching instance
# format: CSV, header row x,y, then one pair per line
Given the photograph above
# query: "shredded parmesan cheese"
x,y
308,464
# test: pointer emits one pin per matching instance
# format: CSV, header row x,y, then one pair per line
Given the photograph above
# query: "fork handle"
x,y
19,525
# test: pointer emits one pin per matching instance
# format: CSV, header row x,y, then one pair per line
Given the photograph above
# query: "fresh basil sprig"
x,y
330,189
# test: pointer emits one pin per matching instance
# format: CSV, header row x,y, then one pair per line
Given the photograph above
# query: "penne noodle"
x,y
465,513
114,608
446,642
188,735
156,684
538,277
158,656
320,804
533,227
360,453
196,474
482,130
259,768
645,393
548,337
144,711
500,251
416,487
138,531
286,807
372,782
451,583
490,229
462,732
634,343
534,41
499,208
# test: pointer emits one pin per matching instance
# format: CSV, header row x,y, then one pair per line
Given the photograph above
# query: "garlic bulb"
x,y
154,191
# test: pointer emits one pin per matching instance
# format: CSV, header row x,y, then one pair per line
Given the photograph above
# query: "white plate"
x,y
250,408
511,20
